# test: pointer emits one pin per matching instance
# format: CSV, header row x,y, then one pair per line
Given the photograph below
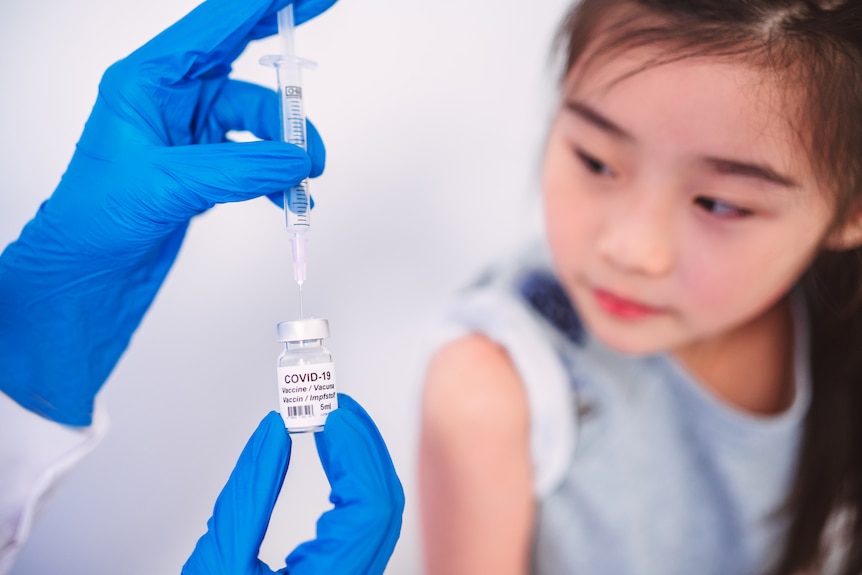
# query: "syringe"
x,y
296,199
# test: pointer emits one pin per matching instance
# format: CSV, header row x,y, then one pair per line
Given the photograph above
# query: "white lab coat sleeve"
x,y
35,455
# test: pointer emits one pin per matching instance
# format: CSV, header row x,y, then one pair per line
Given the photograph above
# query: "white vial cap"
x,y
303,329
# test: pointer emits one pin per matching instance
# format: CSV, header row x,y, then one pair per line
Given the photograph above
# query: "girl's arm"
x,y
475,473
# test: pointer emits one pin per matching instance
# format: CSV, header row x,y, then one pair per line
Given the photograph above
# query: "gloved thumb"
x,y
358,536
243,509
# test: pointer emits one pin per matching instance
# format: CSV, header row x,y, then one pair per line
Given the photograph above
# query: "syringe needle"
x,y
301,315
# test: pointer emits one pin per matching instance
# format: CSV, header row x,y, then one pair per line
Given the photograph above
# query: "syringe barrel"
x,y
293,130
297,201
289,72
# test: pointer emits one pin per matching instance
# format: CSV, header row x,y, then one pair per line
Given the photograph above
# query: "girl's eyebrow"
x,y
721,165
752,170
588,114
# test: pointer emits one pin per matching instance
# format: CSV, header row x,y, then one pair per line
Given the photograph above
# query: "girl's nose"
x,y
639,237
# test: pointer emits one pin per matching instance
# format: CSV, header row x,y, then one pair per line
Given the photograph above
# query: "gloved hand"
x,y
153,154
356,537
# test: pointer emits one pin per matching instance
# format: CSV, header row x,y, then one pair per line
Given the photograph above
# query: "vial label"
x,y
306,394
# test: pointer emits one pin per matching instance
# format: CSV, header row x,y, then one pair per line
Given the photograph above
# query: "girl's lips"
x,y
622,308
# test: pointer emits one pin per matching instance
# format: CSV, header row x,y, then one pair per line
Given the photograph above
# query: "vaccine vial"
x,y
306,375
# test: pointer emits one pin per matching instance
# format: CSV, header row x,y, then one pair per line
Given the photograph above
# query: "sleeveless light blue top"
x,y
638,468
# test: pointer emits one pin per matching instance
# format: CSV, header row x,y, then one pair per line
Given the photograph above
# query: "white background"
x,y
433,113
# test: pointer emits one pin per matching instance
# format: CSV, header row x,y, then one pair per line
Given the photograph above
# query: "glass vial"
x,y
306,375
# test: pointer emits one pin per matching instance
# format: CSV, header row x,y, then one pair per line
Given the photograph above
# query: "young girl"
x,y
670,382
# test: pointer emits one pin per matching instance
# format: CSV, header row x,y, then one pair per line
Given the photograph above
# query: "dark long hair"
x,y
813,48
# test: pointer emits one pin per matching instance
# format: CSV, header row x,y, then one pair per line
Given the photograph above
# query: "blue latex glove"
x,y
356,537
153,154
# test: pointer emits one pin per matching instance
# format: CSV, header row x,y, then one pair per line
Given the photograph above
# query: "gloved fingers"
x,y
194,178
354,429
244,506
277,198
359,534
245,106
248,107
212,35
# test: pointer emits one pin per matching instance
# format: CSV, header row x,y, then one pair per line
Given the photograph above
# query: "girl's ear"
x,y
849,235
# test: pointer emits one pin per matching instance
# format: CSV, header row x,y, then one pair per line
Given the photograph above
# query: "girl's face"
x,y
679,204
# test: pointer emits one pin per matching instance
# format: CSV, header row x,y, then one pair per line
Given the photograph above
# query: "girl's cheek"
x,y
723,282
705,276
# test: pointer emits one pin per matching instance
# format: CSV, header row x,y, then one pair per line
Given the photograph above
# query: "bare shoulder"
x,y
473,380
475,472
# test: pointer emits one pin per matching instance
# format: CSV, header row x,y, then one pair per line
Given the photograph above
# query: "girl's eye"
x,y
594,165
721,209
